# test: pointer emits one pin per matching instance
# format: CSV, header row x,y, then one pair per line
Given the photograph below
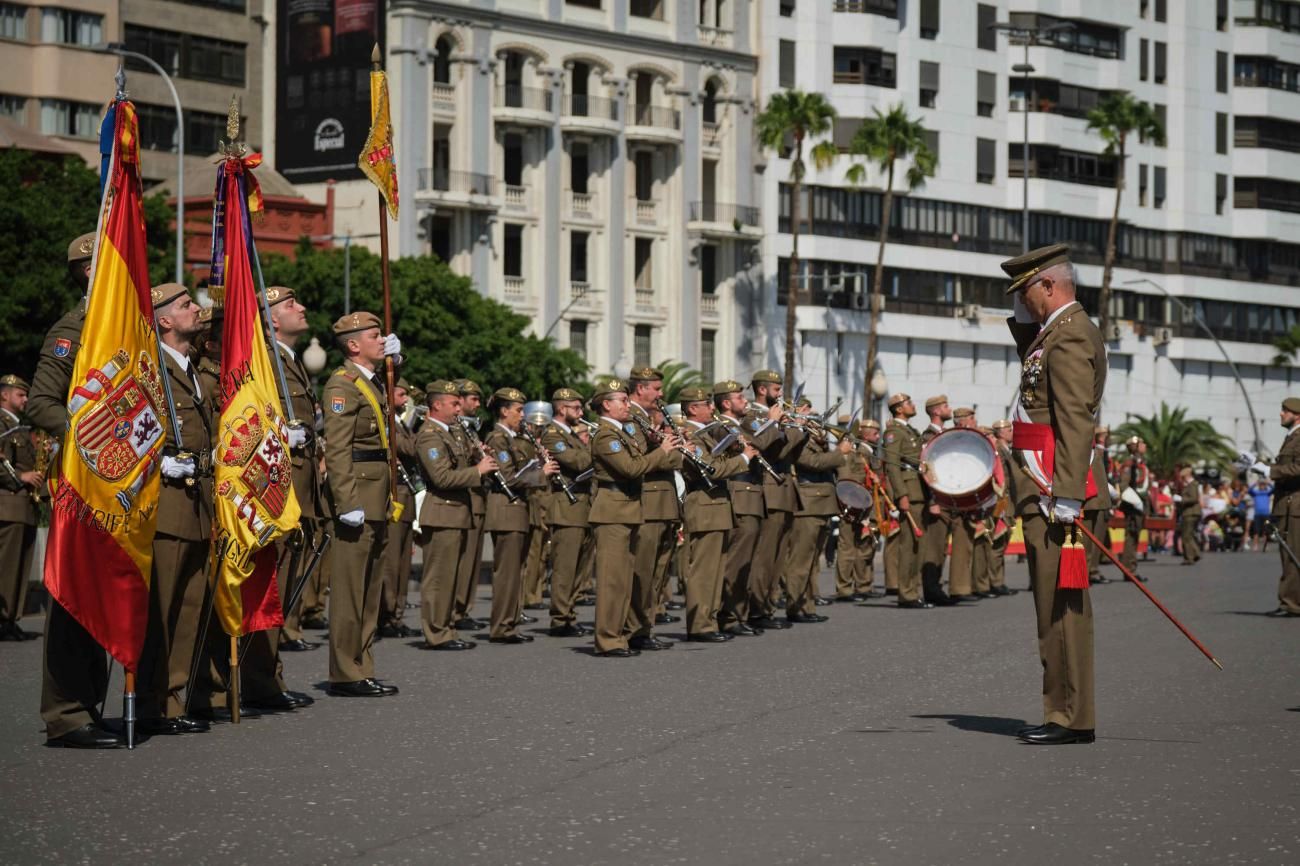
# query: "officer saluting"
x,y
356,460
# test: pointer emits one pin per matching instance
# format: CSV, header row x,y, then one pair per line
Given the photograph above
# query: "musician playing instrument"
x,y
855,550
20,485
571,539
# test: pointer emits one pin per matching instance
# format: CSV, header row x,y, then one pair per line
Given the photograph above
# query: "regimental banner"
x,y
254,473
377,161
104,511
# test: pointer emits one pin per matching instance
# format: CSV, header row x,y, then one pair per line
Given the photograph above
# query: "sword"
x,y
1276,534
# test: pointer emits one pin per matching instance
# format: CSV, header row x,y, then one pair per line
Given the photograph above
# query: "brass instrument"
x,y
470,426
43,443
540,413
705,469
758,458
591,426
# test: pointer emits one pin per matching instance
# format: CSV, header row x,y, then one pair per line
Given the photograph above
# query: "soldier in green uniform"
x,y
967,572
745,491
856,546
398,546
471,398
356,462
902,457
1285,474
571,538
1135,499
1188,500
777,445
817,467
1097,518
1004,513
20,484
938,522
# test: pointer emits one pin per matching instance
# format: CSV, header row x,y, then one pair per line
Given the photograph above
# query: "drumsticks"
x,y
876,485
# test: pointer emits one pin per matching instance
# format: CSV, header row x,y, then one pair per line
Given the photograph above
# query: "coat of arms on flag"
x,y
122,430
257,449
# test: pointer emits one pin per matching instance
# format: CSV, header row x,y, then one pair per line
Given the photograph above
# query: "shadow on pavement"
x,y
1001,725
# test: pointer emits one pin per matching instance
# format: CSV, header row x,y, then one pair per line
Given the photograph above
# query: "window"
x,y
864,66
1162,13
1220,193
578,337
512,253
71,27
787,8
1158,195
929,19
708,269
708,353
1144,7
1057,163
76,119
1220,132
986,160
929,83
986,38
13,21
1221,71
513,159
645,176
986,88
578,257
1267,193
579,167
1221,15
443,49
931,137
186,55
1162,118
1082,37
1267,72
643,262
647,9
1143,50
785,73
1281,14
1162,58
642,339
844,131
1142,185
13,107
588,4
1270,132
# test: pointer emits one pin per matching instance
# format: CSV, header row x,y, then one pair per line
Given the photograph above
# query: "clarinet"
x,y
706,470
758,458
558,479
468,427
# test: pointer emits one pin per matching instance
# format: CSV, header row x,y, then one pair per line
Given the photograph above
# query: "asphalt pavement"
x,y
881,736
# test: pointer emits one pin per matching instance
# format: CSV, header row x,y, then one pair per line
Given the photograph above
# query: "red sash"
x,y
1040,439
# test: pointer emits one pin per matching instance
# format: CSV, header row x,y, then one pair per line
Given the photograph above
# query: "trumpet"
x,y
591,426
471,430
734,427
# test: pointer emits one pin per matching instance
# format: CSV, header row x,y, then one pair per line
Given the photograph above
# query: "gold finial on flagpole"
x,y
232,146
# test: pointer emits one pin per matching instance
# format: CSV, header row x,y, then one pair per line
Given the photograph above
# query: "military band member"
x,y
356,462
1098,519
938,523
1004,513
968,570
661,514
747,511
454,473
471,399
780,501
571,538
817,467
182,543
20,484
1285,474
856,547
1188,500
620,463
1063,374
902,459
398,547
1135,476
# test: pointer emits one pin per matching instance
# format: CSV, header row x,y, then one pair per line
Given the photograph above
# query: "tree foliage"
x,y
448,330
1174,440
679,375
1287,345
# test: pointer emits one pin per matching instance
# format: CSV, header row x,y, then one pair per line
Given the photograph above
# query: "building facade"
x,y
1212,217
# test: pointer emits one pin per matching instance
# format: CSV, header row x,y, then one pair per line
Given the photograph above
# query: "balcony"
x,y
720,219
444,97
458,189
716,36
645,212
709,305
529,106
645,298
711,135
887,8
514,288
582,205
654,123
585,113
516,198
583,297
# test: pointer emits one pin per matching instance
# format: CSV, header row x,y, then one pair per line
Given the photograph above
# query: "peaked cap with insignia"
x,y
1023,268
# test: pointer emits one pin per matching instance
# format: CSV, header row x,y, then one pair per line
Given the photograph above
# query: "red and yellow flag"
x,y
377,161
104,513
254,484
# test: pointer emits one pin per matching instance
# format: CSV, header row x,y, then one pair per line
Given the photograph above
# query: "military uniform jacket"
x,y
621,461
185,510
854,468
307,481
477,495
574,457
709,510
16,505
1190,491
451,473
511,452
1063,374
902,454
778,446
1285,475
1100,502
406,456
818,468
1136,474
47,400
659,487
354,450
746,488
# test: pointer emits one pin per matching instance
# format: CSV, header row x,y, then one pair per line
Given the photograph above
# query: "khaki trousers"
x,y
356,565
1064,619
1132,530
508,550
854,556
892,549
1098,522
74,674
802,564
934,550
587,567
467,577
1288,588
769,562
571,546
616,547
654,546
960,570
311,602
534,575
397,573
998,560
736,570
16,540
703,580
981,564
442,551
908,548
171,637
1191,544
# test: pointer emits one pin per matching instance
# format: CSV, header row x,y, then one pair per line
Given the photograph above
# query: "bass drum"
x,y
958,467
855,501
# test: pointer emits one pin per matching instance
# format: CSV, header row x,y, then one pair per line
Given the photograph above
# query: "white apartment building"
x,y
588,162
1212,217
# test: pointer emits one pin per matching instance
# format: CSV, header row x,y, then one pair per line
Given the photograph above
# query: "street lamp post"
x,y
1258,444
560,315
121,51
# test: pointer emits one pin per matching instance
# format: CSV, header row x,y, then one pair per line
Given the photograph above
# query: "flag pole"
x,y
234,680
376,59
128,708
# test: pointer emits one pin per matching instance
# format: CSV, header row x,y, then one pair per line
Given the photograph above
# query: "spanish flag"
x,y
254,485
376,160
104,511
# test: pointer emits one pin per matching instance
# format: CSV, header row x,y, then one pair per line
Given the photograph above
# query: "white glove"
x,y
355,517
1261,468
1114,491
297,437
1245,458
1066,510
178,467
392,345
1177,498
1022,314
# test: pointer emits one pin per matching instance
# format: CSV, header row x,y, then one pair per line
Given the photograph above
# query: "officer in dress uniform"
x,y
1098,519
20,484
398,547
745,490
902,459
777,445
571,539
471,398
939,521
1134,476
1063,374
1285,474
453,472
356,461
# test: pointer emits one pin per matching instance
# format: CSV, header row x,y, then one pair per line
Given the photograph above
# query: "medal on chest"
x,y
1031,374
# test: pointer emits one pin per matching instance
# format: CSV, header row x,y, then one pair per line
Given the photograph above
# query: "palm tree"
x,y
679,375
883,140
790,117
1287,345
1115,119
1173,439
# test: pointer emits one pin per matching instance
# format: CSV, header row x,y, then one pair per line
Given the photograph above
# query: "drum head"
x,y
852,495
958,461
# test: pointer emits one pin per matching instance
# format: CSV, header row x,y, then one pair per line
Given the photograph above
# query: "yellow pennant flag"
x,y
376,160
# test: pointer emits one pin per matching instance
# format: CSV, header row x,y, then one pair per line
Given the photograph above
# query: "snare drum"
x,y
958,467
855,501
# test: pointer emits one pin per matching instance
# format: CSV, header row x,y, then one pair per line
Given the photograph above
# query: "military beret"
x,y
869,424
693,395
468,386
82,248
725,387
354,322
1002,424
804,401
278,294
166,293
766,377
645,374
1292,404
403,384
898,398
440,387
1023,268
962,412
9,380
936,400
606,387
565,394
507,395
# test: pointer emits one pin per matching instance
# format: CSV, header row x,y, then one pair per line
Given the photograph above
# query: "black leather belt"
x,y
371,455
